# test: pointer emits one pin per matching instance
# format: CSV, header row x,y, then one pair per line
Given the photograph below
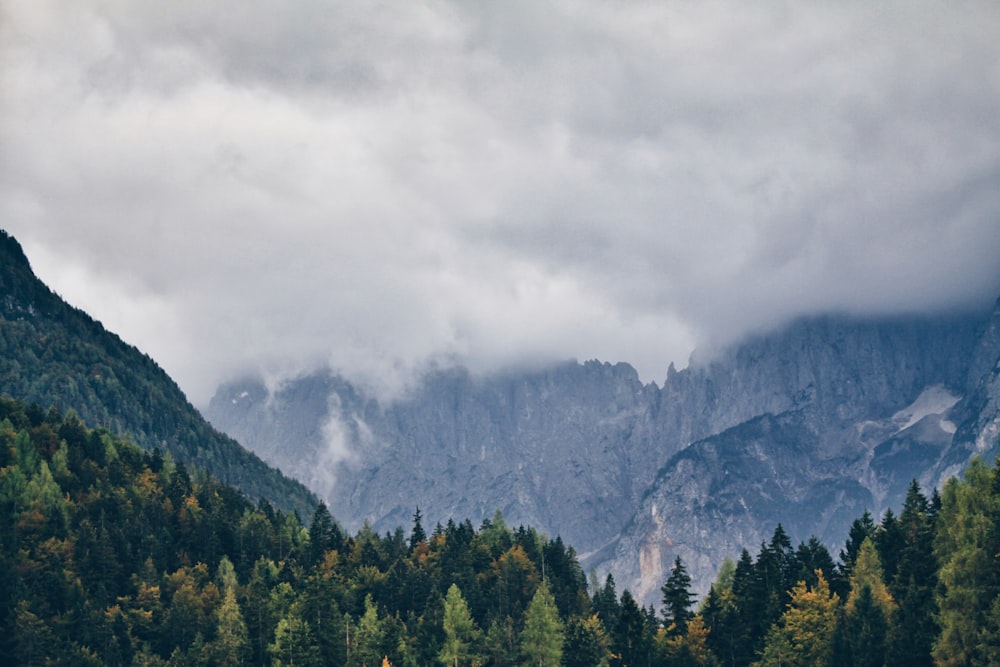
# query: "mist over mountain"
x,y
810,424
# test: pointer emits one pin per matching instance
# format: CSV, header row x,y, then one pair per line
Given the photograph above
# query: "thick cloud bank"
x,y
381,184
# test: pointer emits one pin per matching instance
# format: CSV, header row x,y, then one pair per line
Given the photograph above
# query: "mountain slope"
x,y
854,407
54,354
849,443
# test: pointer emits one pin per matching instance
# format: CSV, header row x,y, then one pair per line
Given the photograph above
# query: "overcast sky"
x,y
268,184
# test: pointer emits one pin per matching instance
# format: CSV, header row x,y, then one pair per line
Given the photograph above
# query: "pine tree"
x,y
232,643
861,529
605,603
677,600
866,628
587,643
967,542
867,573
631,643
461,641
542,637
417,534
913,632
294,643
323,534
368,636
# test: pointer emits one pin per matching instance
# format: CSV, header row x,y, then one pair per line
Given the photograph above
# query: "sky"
x,y
264,186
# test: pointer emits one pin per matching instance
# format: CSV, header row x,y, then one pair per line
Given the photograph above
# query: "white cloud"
x,y
381,184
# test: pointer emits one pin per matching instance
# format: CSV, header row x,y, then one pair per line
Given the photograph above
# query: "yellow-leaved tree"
x,y
804,634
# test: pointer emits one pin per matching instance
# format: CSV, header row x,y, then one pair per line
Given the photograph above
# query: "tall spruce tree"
x,y
913,632
677,599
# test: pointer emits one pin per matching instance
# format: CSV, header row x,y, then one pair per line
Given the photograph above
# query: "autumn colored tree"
x,y
804,635
587,643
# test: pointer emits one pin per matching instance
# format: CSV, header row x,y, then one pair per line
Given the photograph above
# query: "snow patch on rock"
x,y
935,400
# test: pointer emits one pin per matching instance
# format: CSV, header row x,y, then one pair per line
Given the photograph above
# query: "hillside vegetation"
x,y
54,354
110,555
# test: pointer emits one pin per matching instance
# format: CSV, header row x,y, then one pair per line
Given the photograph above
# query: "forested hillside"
x,y
54,354
110,555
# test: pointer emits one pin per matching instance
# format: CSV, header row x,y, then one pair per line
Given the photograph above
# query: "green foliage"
x,y
111,555
967,545
677,599
542,637
54,354
804,634
461,636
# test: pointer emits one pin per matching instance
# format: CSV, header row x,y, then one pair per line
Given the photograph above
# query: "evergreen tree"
x,y
587,643
501,643
323,534
749,597
631,640
542,637
721,620
367,644
232,643
861,529
461,641
890,542
294,643
866,628
967,542
605,603
417,534
867,573
913,632
677,599
813,556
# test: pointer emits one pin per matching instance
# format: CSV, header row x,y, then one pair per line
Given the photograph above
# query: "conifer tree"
x,y
861,529
587,643
417,533
677,600
967,542
913,632
605,603
368,637
865,630
294,643
867,573
632,640
231,646
501,643
461,634
542,637
322,533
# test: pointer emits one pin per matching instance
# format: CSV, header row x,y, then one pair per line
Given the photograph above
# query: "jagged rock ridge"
x,y
810,425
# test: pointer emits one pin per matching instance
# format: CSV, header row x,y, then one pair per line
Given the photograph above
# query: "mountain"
x,y
55,355
810,425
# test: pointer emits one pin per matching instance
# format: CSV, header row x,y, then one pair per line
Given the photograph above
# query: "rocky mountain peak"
x,y
815,422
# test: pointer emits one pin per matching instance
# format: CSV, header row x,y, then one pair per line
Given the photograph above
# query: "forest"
x,y
54,354
113,555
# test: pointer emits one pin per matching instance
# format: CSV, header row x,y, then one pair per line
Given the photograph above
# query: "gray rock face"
x,y
808,425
